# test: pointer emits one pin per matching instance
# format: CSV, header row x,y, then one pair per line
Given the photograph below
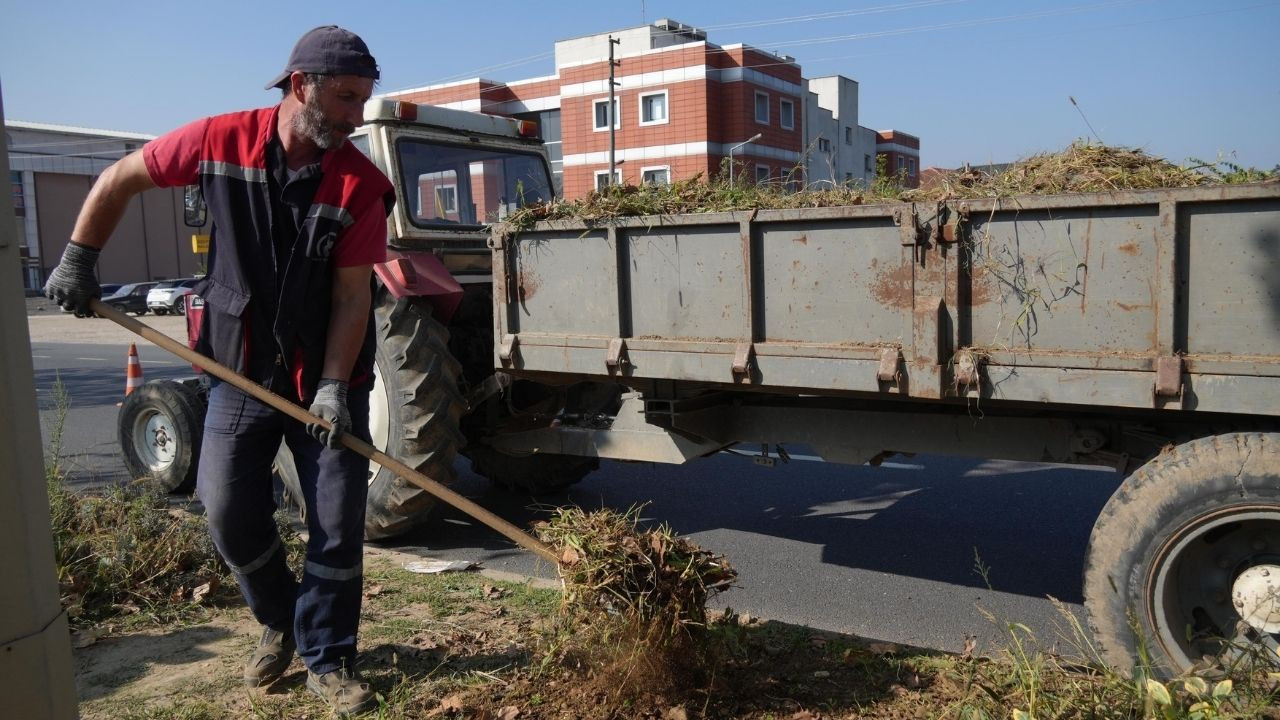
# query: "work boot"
x,y
268,662
345,691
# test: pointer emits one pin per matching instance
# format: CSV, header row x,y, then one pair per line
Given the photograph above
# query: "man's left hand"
x,y
330,404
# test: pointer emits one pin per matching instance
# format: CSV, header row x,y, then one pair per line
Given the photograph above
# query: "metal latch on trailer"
x,y
1169,376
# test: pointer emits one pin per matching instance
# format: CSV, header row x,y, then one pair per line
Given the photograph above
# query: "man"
x,y
298,221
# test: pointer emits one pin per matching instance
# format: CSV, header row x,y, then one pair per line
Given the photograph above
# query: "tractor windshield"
x,y
452,185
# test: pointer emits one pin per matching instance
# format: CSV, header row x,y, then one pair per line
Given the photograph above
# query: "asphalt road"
x,y
888,553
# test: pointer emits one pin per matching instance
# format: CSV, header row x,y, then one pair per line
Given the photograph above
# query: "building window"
x,y
653,108
762,108
866,164
848,177
848,135
602,178
902,163
911,166
656,175
824,145
447,198
15,184
600,111
762,174
787,114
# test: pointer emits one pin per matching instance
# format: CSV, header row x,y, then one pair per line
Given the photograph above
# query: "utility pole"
x,y
612,116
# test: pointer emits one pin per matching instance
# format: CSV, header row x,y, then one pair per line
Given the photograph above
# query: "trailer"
x,y
1136,330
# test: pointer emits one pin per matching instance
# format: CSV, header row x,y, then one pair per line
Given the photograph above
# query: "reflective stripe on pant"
x,y
241,437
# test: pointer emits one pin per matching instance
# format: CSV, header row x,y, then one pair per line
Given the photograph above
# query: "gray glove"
x,y
72,284
330,404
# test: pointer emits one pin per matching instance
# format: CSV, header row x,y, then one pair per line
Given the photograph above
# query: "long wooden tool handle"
x,y
248,387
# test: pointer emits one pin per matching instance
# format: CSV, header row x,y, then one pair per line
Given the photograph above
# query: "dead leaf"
x,y
884,648
200,593
373,592
569,556
803,715
818,642
493,593
745,619
452,704
913,681
510,712
970,643
676,713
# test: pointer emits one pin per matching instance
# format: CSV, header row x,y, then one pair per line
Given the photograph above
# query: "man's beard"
x,y
311,123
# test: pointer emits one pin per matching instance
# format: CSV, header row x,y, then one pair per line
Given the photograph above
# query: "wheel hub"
x,y
1256,596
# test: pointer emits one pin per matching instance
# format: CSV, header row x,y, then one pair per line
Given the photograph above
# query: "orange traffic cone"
x,y
132,371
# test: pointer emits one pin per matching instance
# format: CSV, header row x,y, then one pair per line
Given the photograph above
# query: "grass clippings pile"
x,y
124,551
1081,167
634,614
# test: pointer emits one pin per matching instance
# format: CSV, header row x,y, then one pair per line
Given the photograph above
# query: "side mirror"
x,y
194,212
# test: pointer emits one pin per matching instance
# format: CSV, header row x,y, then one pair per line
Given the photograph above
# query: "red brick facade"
x,y
710,105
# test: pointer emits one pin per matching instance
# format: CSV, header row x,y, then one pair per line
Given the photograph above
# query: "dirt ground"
x,y
470,645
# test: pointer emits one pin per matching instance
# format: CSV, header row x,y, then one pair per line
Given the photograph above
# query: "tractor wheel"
x,y
1183,566
160,426
414,412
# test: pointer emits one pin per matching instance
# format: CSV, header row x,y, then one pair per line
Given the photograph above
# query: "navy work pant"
x,y
241,436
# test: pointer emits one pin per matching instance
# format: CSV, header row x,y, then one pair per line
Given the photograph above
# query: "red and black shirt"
x,y
275,240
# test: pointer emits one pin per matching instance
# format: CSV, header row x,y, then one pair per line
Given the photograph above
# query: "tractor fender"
x,y
421,275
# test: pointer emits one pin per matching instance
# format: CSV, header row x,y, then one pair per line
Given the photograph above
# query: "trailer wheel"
x,y
160,426
1183,566
536,474
414,412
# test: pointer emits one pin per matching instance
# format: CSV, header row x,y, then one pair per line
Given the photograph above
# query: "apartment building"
x,y
682,107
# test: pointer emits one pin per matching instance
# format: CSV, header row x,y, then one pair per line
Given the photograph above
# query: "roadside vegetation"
x,y
1083,166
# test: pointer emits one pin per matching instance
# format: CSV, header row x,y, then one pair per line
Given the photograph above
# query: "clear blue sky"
x,y
978,80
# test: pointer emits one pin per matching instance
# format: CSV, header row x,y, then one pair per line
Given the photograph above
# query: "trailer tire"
x,y
160,426
419,384
537,474
1169,553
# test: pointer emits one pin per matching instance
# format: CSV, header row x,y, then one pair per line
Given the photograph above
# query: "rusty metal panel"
x,y
687,282
1233,278
836,282
1070,279
564,284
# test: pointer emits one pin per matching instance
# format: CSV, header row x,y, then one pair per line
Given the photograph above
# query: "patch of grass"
x,y
124,551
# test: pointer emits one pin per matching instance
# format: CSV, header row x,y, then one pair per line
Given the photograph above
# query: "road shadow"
x,y
934,518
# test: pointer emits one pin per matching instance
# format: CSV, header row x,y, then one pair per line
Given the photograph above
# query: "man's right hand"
x,y
73,284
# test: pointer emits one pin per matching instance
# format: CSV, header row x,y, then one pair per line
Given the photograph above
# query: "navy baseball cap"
x,y
328,50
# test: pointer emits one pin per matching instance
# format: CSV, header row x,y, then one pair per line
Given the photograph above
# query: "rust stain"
x,y
895,288
1130,308
980,291
803,239
529,283
1130,249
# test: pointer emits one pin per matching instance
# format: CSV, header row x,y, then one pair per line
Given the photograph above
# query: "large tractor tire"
x,y
1183,566
415,412
161,425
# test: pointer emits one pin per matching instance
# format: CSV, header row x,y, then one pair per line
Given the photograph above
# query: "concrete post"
x,y
36,675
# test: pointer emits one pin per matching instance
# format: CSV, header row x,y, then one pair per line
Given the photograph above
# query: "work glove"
x,y
72,284
330,404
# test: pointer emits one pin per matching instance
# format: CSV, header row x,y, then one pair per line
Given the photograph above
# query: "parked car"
x,y
107,289
131,298
170,296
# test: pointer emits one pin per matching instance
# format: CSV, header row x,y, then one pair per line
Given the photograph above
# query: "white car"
x,y
170,296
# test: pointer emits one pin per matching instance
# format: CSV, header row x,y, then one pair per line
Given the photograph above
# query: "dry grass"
x,y
1081,167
